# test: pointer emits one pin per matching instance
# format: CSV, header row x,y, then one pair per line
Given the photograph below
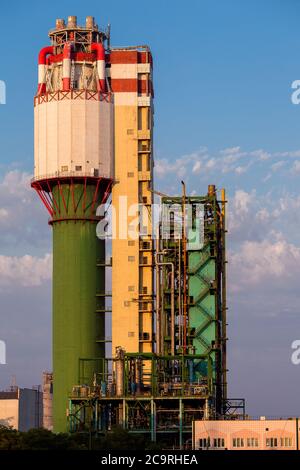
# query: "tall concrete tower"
x,y
130,70
73,172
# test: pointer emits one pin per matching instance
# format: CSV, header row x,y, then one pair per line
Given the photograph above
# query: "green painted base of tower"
x,y
78,331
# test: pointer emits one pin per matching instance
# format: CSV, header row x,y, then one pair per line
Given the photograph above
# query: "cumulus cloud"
x,y
196,167
23,219
231,150
276,166
261,262
180,165
232,161
296,167
25,270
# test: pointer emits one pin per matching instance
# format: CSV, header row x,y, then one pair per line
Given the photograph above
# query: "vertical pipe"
x,y
224,306
206,409
172,310
124,415
119,372
167,263
66,72
99,49
193,435
179,296
153,421
180,423
184,268
158,319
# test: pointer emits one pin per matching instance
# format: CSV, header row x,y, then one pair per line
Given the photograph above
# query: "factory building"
x,y
21,408
263,434
166,309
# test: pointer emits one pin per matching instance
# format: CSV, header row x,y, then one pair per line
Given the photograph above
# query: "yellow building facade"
x,y
132,246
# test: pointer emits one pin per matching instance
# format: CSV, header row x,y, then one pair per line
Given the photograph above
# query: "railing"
x,y
70,174
60,95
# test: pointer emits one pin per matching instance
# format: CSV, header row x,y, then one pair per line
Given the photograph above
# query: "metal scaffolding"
x,y
161,393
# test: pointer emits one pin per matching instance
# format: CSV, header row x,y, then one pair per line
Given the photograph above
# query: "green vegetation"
x,y
42,439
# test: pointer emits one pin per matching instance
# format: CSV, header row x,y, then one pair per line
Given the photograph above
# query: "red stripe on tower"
x,y
129,57
131,85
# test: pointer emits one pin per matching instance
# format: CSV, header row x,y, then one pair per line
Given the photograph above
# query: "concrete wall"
x,y
73,136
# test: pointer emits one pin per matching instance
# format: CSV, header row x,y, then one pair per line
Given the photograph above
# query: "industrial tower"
x,y
73,173
167,313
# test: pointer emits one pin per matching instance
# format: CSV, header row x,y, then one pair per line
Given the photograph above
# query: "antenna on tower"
x,y
108,36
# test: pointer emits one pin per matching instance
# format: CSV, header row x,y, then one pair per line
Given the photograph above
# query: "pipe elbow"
x,y
99,49
44,53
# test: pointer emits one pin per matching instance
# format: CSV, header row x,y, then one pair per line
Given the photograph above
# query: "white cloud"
x,y
23,219
232,161
241,201
260,154
259,263
231,150
25,270
296,167
196,167
211,164
239,170
276,166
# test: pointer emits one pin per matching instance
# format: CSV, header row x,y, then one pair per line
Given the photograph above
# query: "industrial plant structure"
x,y
166,310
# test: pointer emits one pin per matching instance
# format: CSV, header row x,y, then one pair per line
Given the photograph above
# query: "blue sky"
x,y
223,69
223,114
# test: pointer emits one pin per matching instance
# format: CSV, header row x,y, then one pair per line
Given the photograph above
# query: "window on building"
x,y
140,164
252,442
238,442
219,442
131,242
271,442
130,288
78,168
131,258
204,443
285,442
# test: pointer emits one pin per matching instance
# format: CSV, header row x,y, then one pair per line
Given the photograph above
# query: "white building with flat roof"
x,y
262,434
